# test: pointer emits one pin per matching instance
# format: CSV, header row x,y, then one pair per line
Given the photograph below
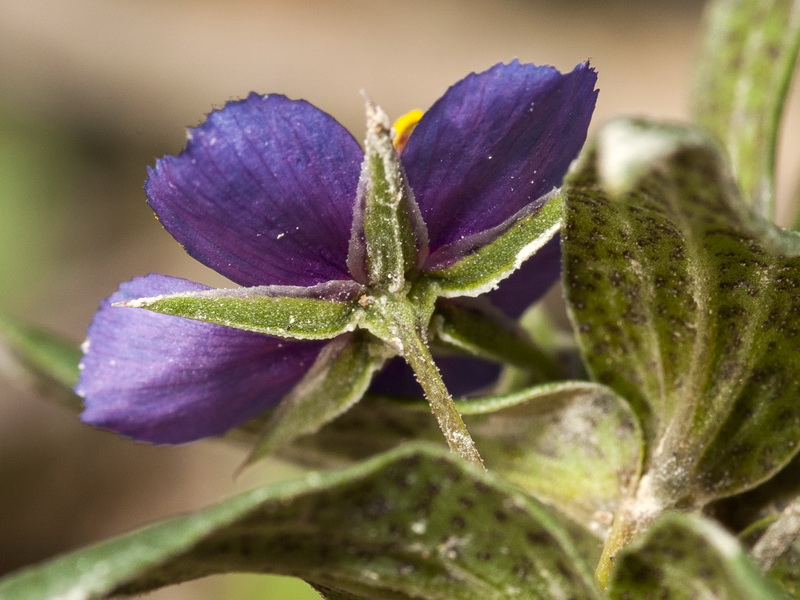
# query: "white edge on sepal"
x,y
333,291
524,254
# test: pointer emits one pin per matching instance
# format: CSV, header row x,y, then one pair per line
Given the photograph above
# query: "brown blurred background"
x,y
92,91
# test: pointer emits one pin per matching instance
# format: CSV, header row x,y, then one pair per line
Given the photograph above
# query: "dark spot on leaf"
x,y
538,538
466,502
482,488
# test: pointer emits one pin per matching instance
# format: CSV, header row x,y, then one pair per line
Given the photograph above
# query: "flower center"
x,y
403,127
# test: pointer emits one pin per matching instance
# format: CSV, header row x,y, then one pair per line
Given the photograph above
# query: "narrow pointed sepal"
x,y
166,380
314,313
477,329
389,238
337,380
480,263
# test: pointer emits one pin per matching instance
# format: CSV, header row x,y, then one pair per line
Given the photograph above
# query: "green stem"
x,y
418,356
619,536
634,516
402,325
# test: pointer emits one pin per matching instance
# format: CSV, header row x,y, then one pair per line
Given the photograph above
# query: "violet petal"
x,y
166,379
263,192
463,376
494,143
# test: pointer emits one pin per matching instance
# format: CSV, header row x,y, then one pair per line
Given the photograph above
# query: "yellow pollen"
x,y
403,127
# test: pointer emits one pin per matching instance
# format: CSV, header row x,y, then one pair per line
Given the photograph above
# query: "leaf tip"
x,y
629,148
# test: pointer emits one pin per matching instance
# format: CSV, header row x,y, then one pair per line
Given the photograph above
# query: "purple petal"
x,y
530,282
263,192
494,143
462,375
165,379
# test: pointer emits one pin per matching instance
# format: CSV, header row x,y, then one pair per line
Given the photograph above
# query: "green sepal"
x,y
478,329
338,379
415,523
389,237
574,445
685,303
686,557
513,242
306,313
748,58
39,359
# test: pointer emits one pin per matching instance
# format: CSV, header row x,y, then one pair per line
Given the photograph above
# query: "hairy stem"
x,y
398,323
634,516
418,356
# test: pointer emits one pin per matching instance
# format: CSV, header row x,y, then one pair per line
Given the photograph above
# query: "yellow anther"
x,y
403,127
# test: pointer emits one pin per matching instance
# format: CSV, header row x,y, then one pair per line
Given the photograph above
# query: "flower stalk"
x,y
621,533
396,322
418,356
635,515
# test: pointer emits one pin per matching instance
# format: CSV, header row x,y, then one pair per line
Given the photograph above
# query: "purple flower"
x,y
264,194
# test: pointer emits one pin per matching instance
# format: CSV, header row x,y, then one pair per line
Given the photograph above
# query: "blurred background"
x,y
92,91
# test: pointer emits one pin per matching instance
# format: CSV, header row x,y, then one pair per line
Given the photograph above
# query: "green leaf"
x,y
512,243
412,524
33,356
329,594
336,381
685,303
574,445
313,313
747,62
686,557
249,586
